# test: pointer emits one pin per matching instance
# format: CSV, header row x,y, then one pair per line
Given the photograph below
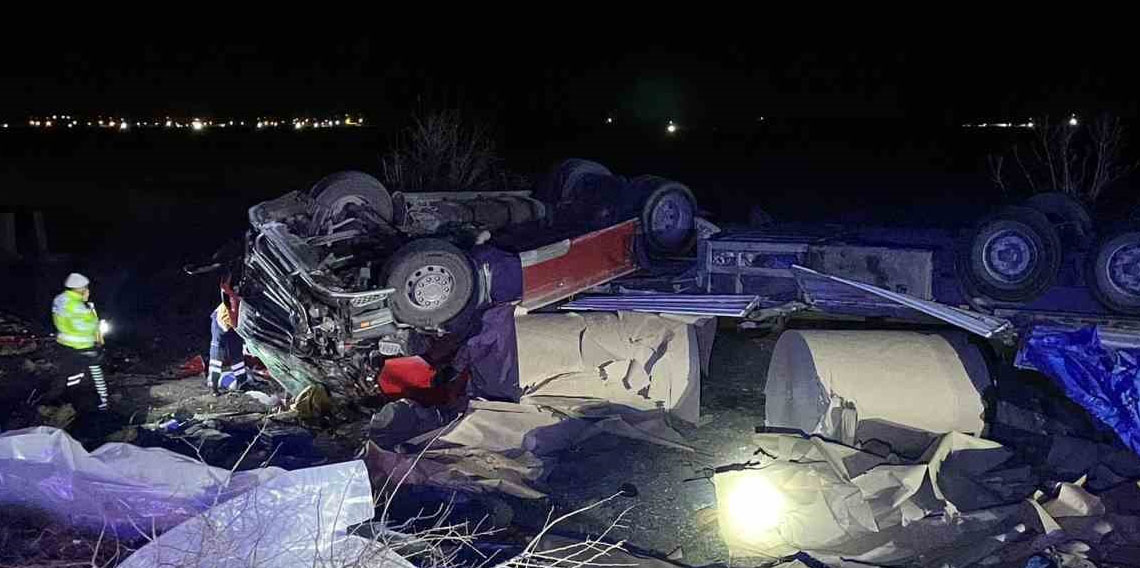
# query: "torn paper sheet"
x,y
834,501
510,447
644,361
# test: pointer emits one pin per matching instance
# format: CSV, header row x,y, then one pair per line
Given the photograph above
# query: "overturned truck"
x,y
339,278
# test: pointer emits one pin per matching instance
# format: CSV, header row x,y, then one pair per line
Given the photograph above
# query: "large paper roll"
x,y
830,382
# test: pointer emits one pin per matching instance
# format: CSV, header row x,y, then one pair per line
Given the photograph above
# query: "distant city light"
x,y
1072,120
121,123
5,125
672,128
609,120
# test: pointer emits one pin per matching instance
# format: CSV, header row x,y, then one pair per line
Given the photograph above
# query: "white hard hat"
x,y
76,280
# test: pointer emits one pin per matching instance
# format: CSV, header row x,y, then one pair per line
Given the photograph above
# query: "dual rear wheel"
x,y
1016,254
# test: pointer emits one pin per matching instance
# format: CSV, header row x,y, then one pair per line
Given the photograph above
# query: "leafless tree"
x,y
441,151
1080,160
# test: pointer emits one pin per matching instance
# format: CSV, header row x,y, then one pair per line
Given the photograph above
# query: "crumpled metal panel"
x,y
874,298
687,304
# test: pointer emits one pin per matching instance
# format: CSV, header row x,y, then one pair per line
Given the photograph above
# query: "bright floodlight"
x,y
196,125
1072,121
671,128
104,327
123,126
750,506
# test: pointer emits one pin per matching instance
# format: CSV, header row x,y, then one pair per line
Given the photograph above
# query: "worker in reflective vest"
x,y
225,347
77,330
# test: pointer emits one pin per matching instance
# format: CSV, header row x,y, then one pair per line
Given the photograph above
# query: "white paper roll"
x,y
827,382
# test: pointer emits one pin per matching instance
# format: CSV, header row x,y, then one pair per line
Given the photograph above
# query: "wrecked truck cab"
x,y
340,278
312,307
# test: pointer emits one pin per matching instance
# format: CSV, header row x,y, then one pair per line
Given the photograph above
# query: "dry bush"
x,y
444,151
1081,160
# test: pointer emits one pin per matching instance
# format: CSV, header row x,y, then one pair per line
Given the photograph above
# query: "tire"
x,y
1012,256
569,179
335,192
668,215
1067,214
434,282
1114,272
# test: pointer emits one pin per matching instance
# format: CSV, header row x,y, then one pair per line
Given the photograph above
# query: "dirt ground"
x,y
670,509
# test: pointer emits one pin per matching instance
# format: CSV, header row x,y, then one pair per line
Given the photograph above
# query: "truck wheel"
x,y
335,192
567,181
668,216
1115,272
433,281
1012,256
1066,213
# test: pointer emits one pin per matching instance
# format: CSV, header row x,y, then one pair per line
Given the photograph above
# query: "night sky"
x,y
553,79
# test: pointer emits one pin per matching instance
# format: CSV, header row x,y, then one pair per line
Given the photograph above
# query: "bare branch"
x,y
995,163
1024,170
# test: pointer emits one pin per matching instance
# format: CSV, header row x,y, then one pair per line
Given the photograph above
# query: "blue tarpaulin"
x,y
1104,381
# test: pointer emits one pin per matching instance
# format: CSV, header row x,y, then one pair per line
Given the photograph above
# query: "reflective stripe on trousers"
x,y
100,384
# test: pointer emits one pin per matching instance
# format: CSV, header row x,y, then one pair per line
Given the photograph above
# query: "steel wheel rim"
x,y
1009,256
671,218
430,286
1123,269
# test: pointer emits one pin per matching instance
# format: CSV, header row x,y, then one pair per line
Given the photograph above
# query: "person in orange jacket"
x,y
226,346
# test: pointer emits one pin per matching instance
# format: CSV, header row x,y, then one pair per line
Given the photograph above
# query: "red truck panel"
x,y
563,269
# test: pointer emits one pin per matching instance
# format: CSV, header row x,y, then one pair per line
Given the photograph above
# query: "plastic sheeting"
x,y
202,515
117,486
1104,381
836,382
296,519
